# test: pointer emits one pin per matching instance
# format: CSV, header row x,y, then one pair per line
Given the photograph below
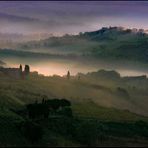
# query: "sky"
x,y
70,17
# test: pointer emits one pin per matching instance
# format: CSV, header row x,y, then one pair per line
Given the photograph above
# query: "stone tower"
x,y
26,70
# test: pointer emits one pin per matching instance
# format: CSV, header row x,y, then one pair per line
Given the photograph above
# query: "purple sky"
x,y
70,17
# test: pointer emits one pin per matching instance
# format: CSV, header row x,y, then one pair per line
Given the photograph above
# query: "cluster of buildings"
x,y
16,72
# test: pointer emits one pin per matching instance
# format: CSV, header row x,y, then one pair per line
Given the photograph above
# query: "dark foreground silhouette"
x,y
54,117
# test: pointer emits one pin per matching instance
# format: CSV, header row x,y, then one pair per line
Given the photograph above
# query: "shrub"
x,y
64,102
37,110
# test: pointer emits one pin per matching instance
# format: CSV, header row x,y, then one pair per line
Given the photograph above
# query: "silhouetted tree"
x,y
128,30
20,67
38,110
45,97
68,75
53,103
80,34
64,102
43,101
66,111
21,72
32,112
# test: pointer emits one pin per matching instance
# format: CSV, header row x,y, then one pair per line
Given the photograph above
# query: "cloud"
x,y
14,18
69,17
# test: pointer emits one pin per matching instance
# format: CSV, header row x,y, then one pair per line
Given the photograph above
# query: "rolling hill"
x,y
101,104
112,42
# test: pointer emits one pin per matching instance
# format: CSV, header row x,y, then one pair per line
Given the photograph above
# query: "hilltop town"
x,y
16,72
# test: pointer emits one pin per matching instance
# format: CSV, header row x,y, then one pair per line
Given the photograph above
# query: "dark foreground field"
x,y
103,111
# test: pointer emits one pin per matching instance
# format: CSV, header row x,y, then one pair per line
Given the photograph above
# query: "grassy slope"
x,y
16,93
11,136
9,133
91,110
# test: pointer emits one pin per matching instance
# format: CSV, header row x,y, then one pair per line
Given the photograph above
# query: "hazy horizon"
x,y
38,20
